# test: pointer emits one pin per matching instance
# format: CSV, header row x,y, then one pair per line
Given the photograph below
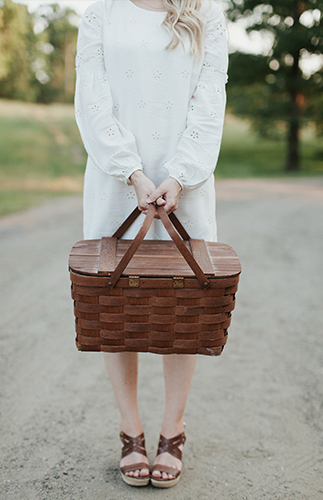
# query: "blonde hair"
x,y
185,17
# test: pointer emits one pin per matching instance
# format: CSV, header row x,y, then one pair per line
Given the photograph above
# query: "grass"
x,y
245,154
42,156
40,142
20,199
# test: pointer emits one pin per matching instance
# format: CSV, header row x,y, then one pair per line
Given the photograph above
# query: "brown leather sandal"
x,y
170,446
130,445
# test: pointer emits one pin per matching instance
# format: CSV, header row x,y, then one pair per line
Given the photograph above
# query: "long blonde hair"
x,y
185,17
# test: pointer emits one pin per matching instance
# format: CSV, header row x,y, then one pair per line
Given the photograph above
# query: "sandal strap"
x,y
171,445
168,470
132,444
134,467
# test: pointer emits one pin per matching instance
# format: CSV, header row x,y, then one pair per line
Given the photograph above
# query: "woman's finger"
x,y
155,195
161,201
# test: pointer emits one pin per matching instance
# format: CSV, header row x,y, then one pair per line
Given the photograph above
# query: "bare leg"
x,y
123,373
178,374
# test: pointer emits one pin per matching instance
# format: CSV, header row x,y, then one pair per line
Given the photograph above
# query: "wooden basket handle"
x,y
142,233
135,214
182,247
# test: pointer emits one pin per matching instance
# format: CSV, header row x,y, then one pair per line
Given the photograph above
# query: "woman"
x,y
149,103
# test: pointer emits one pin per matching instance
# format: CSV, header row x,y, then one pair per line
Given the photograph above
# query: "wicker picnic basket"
x,y
164,297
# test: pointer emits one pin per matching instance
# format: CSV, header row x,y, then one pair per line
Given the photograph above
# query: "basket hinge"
x,y
178,282
134,281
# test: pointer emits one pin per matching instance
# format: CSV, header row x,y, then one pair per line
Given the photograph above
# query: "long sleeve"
x,y
109,144
198,149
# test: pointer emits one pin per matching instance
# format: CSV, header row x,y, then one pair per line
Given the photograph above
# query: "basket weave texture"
x,y
153,301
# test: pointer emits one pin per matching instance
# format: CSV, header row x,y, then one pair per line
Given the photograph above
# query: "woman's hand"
x,y
167,194
144,188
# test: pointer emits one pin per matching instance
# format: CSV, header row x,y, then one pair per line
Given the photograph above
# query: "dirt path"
x,y
254,417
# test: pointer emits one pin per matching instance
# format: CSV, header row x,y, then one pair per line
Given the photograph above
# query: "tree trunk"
x,y
293,146
293,156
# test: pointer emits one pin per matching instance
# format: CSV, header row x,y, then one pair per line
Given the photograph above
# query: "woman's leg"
x,y
123,373
178,374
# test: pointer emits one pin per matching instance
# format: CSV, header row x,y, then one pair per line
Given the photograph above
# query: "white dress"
x,y
139,106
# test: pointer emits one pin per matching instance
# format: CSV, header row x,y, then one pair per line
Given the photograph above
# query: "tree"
x,y
60,34
37,52
17,54
274,88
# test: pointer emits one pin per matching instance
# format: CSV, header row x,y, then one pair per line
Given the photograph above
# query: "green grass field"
x,y
245,154
41,154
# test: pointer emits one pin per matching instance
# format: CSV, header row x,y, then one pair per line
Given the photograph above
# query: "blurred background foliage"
x,y
274,123
37,52
276,87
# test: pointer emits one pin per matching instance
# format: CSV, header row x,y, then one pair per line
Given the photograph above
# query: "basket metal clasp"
x,y
178,282
134,281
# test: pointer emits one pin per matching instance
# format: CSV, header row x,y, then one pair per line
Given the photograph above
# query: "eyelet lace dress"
x,y
139,106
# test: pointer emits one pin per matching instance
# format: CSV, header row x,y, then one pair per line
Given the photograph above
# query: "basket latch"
x,y
178,282
134,281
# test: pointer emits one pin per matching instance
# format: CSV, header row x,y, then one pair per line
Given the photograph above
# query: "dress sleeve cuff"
x,y
134,169
177,179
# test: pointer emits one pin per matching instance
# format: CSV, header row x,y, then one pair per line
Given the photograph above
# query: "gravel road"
x,y
254,416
